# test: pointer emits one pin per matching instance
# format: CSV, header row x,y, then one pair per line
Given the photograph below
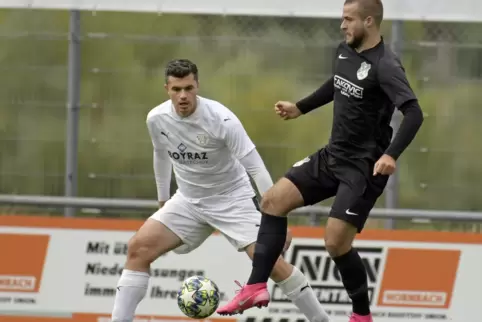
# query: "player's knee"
x,y
139,251
281,198
335,246
339,237
268,204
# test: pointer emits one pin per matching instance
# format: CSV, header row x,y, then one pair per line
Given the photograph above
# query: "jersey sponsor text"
x,y
347,88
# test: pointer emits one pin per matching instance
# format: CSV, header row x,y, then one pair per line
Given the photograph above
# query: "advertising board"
x,y
67,269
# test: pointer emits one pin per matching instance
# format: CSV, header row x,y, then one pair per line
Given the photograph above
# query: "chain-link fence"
x,y
247,63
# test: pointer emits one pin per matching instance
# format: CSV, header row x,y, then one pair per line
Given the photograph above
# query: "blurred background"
x,y
114,76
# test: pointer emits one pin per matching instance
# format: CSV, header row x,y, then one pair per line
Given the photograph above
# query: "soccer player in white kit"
x,y
212,155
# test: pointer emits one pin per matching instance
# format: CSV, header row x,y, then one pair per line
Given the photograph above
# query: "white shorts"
x,y
238,219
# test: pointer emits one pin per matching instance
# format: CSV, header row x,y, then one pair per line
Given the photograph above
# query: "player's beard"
x,y
358,39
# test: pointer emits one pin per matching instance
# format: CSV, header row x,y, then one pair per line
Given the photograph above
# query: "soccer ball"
x,y
198,297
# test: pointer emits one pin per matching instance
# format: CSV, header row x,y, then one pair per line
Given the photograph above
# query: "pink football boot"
x,y
247,297
361,318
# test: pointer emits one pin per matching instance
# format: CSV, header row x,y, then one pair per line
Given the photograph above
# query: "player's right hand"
x,y
287,110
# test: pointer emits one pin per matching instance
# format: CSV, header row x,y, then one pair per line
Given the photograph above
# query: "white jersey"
x,y
204,148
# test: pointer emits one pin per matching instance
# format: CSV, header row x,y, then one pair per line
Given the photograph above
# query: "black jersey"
x,y
365,88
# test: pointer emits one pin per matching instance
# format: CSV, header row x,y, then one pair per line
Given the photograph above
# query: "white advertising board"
x,y
68,268
428,10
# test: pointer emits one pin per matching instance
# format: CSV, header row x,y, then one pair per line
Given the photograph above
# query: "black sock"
x,y
354,277
270,243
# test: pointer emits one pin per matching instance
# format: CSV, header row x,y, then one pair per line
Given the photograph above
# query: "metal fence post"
x,y
391,196
73,105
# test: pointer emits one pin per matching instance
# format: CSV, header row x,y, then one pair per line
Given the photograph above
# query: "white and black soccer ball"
x,y
198,297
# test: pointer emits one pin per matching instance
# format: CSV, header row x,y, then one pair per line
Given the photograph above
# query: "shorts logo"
x,y
297,164
24,257
348,212
428,282
362,72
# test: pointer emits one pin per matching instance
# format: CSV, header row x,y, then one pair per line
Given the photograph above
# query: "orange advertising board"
x,y
67,268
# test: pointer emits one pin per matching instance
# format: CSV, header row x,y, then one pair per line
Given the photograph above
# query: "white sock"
x,y
305,300
131,289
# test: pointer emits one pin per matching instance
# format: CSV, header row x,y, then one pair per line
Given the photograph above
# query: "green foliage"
x,y
246,63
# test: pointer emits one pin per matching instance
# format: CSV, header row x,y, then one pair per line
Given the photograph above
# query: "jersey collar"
x,y
366,51
194,116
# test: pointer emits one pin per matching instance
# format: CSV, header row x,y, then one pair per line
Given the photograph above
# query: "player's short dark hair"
x,y
372,8
181,68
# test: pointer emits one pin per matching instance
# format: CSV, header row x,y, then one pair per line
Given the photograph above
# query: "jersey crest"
x,y
202,139
362,72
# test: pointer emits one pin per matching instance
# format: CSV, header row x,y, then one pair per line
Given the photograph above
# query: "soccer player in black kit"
x,y
368,82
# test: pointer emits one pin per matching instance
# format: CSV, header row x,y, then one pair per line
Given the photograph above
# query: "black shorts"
x,y
322,176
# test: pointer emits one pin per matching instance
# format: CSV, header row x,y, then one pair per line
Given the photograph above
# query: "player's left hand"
x,y
386,165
